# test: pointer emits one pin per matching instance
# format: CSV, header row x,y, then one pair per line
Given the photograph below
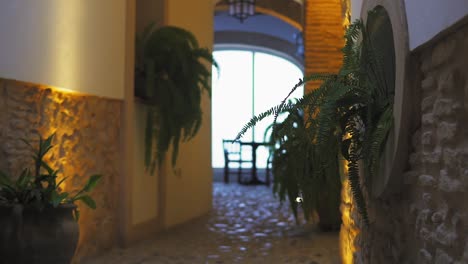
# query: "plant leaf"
x,y
92,182
86,199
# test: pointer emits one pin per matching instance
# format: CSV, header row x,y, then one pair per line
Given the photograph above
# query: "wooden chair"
x,y
233,154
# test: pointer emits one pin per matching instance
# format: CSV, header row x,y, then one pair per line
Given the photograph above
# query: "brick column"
x,y
323,36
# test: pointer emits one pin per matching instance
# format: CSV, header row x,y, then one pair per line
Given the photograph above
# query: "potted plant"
x,y
171,74
348,117
39,219
295,173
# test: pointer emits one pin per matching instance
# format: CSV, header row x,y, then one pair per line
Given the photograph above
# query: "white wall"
x,y
426,18
356,6
73,44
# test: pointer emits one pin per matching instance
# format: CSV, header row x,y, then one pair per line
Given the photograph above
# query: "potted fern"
x,y
39,219
348,117
171,74
296,174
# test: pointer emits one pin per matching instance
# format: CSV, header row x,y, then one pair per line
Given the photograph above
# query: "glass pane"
x,y
274,79
231,99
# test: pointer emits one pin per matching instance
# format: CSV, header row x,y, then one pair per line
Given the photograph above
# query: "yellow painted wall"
x,y
188,188
144,186
149,11
73,44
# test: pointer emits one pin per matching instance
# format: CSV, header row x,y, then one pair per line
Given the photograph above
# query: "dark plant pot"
x,y
329,217
28,235
328,208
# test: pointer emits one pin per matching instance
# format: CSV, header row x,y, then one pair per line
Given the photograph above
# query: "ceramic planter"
x,y
28,235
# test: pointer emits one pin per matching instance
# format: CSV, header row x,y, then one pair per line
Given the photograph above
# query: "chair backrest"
x,y
231,147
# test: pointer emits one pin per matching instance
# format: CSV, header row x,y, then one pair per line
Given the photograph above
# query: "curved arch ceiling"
x,y
260,23
259,30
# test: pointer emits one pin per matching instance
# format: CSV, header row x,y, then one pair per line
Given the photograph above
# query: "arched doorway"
x,y
250,81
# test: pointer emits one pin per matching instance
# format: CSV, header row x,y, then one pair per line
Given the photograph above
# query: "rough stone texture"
x,y
427,221
87,142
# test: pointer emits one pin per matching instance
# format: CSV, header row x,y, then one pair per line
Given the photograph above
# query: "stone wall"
x,y
87,142
438,202
427,221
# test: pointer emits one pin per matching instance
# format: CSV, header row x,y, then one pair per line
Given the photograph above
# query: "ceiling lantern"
x,y
241,9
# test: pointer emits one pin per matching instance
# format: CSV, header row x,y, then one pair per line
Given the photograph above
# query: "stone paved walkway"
x,y
246,225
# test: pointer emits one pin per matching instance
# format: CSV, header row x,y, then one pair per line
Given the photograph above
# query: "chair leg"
x,y
267,180
239,172
226,172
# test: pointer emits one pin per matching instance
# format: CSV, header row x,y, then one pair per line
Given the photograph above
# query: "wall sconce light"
x,y
241,9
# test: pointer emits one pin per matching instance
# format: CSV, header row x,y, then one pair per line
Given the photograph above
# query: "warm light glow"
x,y
349,230
66,54
64,90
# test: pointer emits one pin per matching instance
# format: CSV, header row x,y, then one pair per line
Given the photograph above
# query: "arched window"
x,y
250,81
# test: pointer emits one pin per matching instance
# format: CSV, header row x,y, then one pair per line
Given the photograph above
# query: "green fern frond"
x,y
176,71
353,171
377,140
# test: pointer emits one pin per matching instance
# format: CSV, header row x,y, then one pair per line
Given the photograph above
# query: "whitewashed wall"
x,y
73,44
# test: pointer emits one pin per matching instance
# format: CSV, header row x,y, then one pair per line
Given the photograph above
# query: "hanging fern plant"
x,y
171,74
349,115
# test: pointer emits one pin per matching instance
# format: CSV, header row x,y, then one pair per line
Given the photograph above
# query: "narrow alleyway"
x,y
246,225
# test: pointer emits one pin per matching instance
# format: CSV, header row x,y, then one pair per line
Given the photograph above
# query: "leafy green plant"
x,y
289,154
349,115
39,188
300,172
171,73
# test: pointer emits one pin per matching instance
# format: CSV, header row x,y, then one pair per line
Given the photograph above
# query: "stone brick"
x,y
451,158
425,234
426,180
425,255
427,140
428,119
446,82
440,215
442,257
432,157
464,177
422,219
445,235
427,103
446,131
448,184
444,107
426,198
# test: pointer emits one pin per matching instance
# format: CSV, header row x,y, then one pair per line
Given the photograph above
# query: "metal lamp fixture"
x,y
241,9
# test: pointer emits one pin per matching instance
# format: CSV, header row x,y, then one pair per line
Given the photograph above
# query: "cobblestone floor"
x,y
246,225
